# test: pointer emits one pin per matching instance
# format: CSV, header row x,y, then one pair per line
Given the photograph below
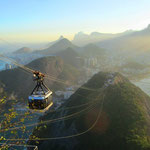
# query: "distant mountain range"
x,y
65,46
82,39
138,42
128,40
127,46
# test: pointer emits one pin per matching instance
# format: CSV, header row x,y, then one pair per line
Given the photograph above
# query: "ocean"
x,y
144,84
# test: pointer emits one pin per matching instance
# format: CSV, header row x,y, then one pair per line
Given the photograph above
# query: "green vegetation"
x,y
10,120
14,81
127,113
123,124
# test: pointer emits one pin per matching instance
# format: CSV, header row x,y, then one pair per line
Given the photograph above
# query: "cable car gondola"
x,y
41,96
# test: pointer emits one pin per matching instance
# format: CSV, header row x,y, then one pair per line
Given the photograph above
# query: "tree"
x,y
12,124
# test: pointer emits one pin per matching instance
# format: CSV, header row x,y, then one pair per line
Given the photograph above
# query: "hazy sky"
x,y
46,20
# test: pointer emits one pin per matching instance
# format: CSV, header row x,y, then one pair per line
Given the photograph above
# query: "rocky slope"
x,y
122,112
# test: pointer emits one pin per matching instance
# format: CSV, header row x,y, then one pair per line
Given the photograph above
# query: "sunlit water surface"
x,y
144,84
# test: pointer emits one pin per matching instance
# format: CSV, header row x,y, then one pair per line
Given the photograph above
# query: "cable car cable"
x,y
49,121
69,136
46,75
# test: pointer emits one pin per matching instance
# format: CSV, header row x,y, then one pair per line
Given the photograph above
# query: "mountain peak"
x,y
61,37
106,79
80,35
58,46
64,41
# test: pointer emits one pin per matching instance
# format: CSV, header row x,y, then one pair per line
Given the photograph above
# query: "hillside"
x,y
70,56
20,83
23,50
92,50
121,110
